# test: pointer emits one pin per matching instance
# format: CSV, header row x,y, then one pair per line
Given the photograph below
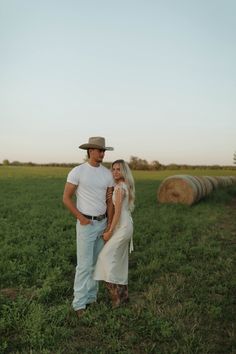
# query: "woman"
x,y
112,263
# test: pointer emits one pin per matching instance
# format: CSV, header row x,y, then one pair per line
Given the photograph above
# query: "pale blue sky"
x,y
156,78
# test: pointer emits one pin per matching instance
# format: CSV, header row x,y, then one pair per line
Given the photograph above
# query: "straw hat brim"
x,y
94,146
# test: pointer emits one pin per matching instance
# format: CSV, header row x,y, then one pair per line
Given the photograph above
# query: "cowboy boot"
x,y
125,294
114,294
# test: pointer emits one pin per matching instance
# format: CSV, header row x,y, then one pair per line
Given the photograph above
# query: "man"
x,y
93,184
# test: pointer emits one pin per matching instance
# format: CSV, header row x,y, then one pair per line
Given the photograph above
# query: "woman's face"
x,y
116,172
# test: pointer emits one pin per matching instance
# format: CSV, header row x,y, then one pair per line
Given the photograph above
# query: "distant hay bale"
x,y
208,185
233,179
225,181
186,189
214,182
205,187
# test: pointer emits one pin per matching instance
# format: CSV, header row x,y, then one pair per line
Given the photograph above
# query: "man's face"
x,y
97,155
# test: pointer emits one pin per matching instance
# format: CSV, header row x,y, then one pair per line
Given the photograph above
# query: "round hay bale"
x,y
219,180
231,179
208,185
181,189
225,181
234,179
187,189
199,187
203,186
213,181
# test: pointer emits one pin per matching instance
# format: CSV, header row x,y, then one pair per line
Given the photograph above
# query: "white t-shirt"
x,y
92,185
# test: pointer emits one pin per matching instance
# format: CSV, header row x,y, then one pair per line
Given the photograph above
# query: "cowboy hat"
x,y
96,142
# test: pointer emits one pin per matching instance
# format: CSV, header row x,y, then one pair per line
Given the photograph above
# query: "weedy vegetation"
x,y
181,279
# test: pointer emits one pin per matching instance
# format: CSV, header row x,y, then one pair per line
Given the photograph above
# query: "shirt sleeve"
x,y
111,182
73,176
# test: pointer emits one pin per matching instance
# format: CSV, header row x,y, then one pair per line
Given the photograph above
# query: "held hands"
x,y
107,228
107,235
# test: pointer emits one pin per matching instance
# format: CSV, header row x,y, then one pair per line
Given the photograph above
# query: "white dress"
x,y
112,263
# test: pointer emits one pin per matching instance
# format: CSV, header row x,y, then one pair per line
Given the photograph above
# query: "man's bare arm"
x,y
110,206
117,211
69,191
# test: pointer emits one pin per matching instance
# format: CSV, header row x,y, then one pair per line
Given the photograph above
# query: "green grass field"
x,y
181,280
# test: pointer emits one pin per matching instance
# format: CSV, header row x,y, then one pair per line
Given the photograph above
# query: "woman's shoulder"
x,y
121,186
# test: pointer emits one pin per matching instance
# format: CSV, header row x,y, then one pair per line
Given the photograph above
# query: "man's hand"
x,y
84,221
106,236
107,228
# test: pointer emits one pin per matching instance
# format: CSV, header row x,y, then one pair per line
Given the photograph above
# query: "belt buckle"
x,y
100,217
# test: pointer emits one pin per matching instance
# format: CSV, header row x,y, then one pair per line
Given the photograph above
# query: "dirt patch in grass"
x,y
10,293
13,293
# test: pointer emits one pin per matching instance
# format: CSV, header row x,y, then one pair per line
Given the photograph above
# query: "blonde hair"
x,y
129,180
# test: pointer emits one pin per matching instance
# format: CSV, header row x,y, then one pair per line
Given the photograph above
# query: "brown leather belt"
x,y
98,218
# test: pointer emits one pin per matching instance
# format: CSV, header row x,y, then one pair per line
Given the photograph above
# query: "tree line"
x,y
135,163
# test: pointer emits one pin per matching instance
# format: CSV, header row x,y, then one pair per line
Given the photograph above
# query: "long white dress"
x,y
112,263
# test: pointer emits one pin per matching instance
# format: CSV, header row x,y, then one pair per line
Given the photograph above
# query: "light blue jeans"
x,y
89,244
